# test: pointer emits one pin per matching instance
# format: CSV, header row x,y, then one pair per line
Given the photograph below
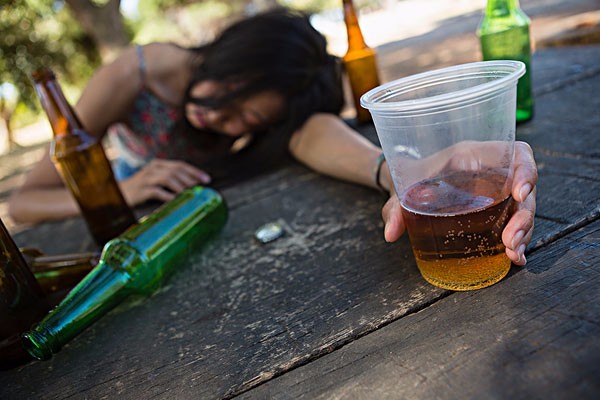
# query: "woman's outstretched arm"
x,y
328,145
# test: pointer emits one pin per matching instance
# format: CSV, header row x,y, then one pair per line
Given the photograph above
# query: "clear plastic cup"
x,y
448,138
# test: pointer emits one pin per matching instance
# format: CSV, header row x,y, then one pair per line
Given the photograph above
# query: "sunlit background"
x,y
75,37
75,42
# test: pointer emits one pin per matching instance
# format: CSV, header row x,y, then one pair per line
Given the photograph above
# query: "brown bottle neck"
x,y
61,115
356,40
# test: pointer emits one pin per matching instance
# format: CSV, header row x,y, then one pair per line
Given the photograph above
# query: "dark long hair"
x,y
278,50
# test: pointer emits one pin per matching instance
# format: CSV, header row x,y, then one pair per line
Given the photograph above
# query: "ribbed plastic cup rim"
x,y
508,72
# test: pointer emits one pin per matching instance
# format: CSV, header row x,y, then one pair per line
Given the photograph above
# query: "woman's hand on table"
x,y
161,180
517,233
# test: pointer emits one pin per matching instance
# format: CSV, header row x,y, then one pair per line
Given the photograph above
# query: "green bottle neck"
x,y
497,8
99,292
502,15
135,262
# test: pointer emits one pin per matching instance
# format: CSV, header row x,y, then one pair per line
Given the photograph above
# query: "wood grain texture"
x,y
565,140
534,336
557,67
568,193
566,117
241,313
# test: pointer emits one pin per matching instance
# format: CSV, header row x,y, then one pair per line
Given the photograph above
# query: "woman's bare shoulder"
x,y
164,58
167,69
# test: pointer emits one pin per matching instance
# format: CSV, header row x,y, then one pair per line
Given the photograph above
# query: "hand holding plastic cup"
x,y
448,138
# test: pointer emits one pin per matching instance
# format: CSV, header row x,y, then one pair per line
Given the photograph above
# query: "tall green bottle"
x,y
134,262
504,35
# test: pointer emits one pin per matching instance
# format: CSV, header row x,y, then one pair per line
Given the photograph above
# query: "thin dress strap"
x,y
141,63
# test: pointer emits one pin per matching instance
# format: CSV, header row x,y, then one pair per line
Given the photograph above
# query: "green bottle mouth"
x,y
37,345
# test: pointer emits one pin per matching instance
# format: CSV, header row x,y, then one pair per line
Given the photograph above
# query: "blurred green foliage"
x,y
44,32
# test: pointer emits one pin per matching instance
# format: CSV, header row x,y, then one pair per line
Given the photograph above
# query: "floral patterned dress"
x,y
149,134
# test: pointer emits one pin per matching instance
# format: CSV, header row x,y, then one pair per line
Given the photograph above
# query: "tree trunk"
x,y
104,24
9,133
6,115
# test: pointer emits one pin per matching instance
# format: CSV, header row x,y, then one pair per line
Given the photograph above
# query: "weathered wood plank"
x,y
536,335
242,312
549,71
568,192
274,319
566,143
566,128
76,238
67,236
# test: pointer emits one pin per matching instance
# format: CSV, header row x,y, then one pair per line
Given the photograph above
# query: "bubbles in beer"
x,y
455,224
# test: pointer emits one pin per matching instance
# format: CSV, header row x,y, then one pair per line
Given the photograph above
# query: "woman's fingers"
x,y
195,173
517,256
173,183
175,175
519,230
517,233
159,193
525,176
392,218
162,180
186,180
185,173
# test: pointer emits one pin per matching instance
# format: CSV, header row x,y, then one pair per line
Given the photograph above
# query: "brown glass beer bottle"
x,y
82,164
22,302
359,62
57,274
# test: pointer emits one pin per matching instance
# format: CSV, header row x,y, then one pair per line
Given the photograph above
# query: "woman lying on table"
x,y
265,88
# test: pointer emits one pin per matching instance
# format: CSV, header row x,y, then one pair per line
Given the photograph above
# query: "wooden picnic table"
x,y
331,310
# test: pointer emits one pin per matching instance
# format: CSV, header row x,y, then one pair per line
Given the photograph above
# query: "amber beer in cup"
x,y
458,247
448,136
